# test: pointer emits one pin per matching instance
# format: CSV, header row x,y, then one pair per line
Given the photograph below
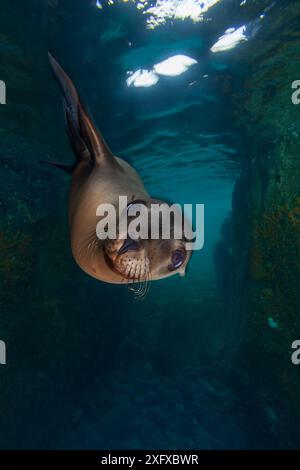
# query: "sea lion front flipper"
x,y
86,140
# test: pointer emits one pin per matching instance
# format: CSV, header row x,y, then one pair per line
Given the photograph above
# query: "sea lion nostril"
x,y
128,245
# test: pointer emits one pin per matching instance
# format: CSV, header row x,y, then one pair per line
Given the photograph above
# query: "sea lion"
x,y
100,177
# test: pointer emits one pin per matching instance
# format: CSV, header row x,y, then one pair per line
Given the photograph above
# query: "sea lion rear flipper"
x,y
67,87
67,168
85,139
77,144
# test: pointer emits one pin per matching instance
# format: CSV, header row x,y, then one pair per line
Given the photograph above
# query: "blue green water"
x,y
87,366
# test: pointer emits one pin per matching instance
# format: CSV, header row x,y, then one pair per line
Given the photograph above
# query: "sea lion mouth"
x,y
137,275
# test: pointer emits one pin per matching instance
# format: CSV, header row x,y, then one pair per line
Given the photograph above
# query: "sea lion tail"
x,y
86,141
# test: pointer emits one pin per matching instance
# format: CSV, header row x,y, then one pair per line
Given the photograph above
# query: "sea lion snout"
x,y
128,258
146,259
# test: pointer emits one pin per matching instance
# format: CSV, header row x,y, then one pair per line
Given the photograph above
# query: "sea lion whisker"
x,y
87,240
144,284
89,237
148,282
136,284
89,247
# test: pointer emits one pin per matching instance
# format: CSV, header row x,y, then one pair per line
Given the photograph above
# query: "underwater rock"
x,y
261,281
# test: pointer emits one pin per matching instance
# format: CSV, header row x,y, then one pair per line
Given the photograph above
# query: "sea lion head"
x,y
156,253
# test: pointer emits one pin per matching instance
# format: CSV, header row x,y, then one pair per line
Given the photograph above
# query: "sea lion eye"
x,y
177,259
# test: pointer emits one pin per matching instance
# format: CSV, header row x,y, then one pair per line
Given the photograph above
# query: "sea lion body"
x,y
99,177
